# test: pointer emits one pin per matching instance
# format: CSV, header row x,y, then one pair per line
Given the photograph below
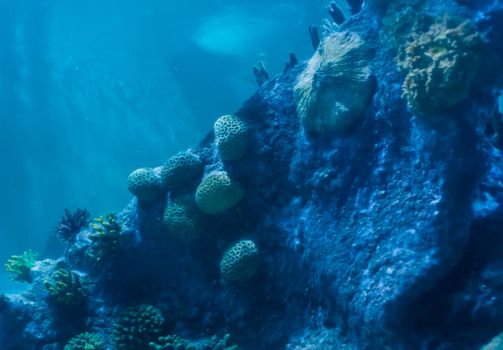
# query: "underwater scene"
x,y
251,175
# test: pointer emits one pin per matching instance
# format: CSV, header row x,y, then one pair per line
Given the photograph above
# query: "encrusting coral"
x,y
239,262
181,168
231,137
86,341
336,86
145,184
173,342
440,63
20,266
218,192
137,326
65,288
182,219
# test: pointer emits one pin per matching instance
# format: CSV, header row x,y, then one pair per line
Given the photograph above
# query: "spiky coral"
x,y
440,63
86,341
137,326
71,223
20,266
65,288
105,238
336,86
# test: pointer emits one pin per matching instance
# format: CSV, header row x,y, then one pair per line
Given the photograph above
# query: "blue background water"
x,y
92,89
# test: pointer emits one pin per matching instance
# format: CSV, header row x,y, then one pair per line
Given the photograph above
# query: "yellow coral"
x,y
440,63
336,86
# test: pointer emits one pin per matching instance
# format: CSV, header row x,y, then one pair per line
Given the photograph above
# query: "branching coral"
x,y
182,219
336,86
145,184
20,266
86,341
137,326
239,262
440,63
181,168
71,223
231,137
218,192
65,288
105,238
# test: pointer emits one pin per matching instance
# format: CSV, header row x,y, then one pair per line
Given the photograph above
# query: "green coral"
x,y
65,288
104,239
180,169
173,342
239,262
440,61
182,219
217,192
145,184
336,86
20,266
231,137
86,341
137,326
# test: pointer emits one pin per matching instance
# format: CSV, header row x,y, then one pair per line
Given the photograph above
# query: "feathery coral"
x,y
336,86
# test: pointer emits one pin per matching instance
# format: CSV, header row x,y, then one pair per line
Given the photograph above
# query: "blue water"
x,y
92,89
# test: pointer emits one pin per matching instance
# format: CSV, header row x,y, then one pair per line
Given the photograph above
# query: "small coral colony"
x,y
438,57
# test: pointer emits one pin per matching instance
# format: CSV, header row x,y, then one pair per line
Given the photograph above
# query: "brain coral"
x,y
217,192
239,262
182,219
137,326
145,184
86,341
181,168
440,63
336,86
231,137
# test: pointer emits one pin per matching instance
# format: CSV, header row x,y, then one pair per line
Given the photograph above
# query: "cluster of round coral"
x,y
215,193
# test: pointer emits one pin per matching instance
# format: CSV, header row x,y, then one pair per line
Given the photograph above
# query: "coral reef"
x,y
217,192
180,169
386,237
104,239
19,266
440,63
65,287
231,137
71,223
239,262
137,326
145,184
182,219
336,86
86,341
